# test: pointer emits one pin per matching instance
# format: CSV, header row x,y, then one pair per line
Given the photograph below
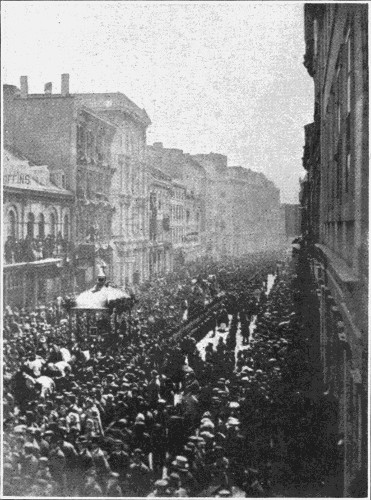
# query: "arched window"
x,y
41,225
12,224
53,225
30,225
66,227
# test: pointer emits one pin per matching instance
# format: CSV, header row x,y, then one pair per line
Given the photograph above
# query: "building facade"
x,y
242,209
94,145
334,195
38,250
93,209
177,223
216,238
160,210
188,201
129,193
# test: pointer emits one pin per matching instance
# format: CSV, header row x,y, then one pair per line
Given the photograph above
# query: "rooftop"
x,y
20,173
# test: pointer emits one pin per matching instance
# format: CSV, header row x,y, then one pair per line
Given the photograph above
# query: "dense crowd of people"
x,y
30,249
147,414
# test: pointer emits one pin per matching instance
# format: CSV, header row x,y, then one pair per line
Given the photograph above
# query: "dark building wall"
x,y
43,129
292,218
335,205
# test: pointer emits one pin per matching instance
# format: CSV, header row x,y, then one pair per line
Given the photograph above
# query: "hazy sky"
x,y
225,77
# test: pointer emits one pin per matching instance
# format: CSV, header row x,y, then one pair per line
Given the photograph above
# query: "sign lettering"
x,y
17,178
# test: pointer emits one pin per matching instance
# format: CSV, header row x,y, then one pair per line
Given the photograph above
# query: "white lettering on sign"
x,y
17,178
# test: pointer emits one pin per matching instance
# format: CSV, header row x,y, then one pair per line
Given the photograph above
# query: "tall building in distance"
x,y
242,209
334,197
188,195
160,211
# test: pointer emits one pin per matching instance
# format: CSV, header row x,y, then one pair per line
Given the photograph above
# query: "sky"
x,y
223,77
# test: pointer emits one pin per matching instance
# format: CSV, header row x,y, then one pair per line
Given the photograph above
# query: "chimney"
x,y
24,87
48,87
65,84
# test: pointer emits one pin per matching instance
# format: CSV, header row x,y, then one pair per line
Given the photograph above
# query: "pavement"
x,y
223,333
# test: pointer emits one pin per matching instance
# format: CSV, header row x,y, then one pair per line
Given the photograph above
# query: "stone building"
x,y
334,195
256,214
94,210
177,223
242,209
160,212
189,217
94,144
129,186
37,247
216,231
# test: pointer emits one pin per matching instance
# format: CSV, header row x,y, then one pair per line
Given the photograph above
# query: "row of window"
x,y
177,212
90,182
337,127
159,200
92,145
339,236
338,156
39,227
132,221
132,143
177,234
132,178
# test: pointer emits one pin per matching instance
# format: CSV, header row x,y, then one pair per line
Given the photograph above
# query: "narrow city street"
x,y
185,249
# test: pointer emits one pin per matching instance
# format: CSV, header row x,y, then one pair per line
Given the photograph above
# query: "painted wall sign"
x,y
17,178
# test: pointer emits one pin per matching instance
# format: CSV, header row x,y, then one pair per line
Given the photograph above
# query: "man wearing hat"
x,y
160,490
159,446
113,488
139,474
57,463
84,457
71,457
181,466
91,487
118,459
29,462
42,443
153,389
175,489
176,432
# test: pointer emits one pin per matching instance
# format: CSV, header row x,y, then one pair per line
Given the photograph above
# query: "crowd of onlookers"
x,y
146,415
30,249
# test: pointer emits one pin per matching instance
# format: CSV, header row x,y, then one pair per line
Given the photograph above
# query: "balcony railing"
x,y
34,249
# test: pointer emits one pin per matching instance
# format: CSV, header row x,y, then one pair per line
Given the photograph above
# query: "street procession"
x,y
184,306
113,399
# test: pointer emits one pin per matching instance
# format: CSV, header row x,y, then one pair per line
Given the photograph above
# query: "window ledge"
x,y
341,268
33,263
